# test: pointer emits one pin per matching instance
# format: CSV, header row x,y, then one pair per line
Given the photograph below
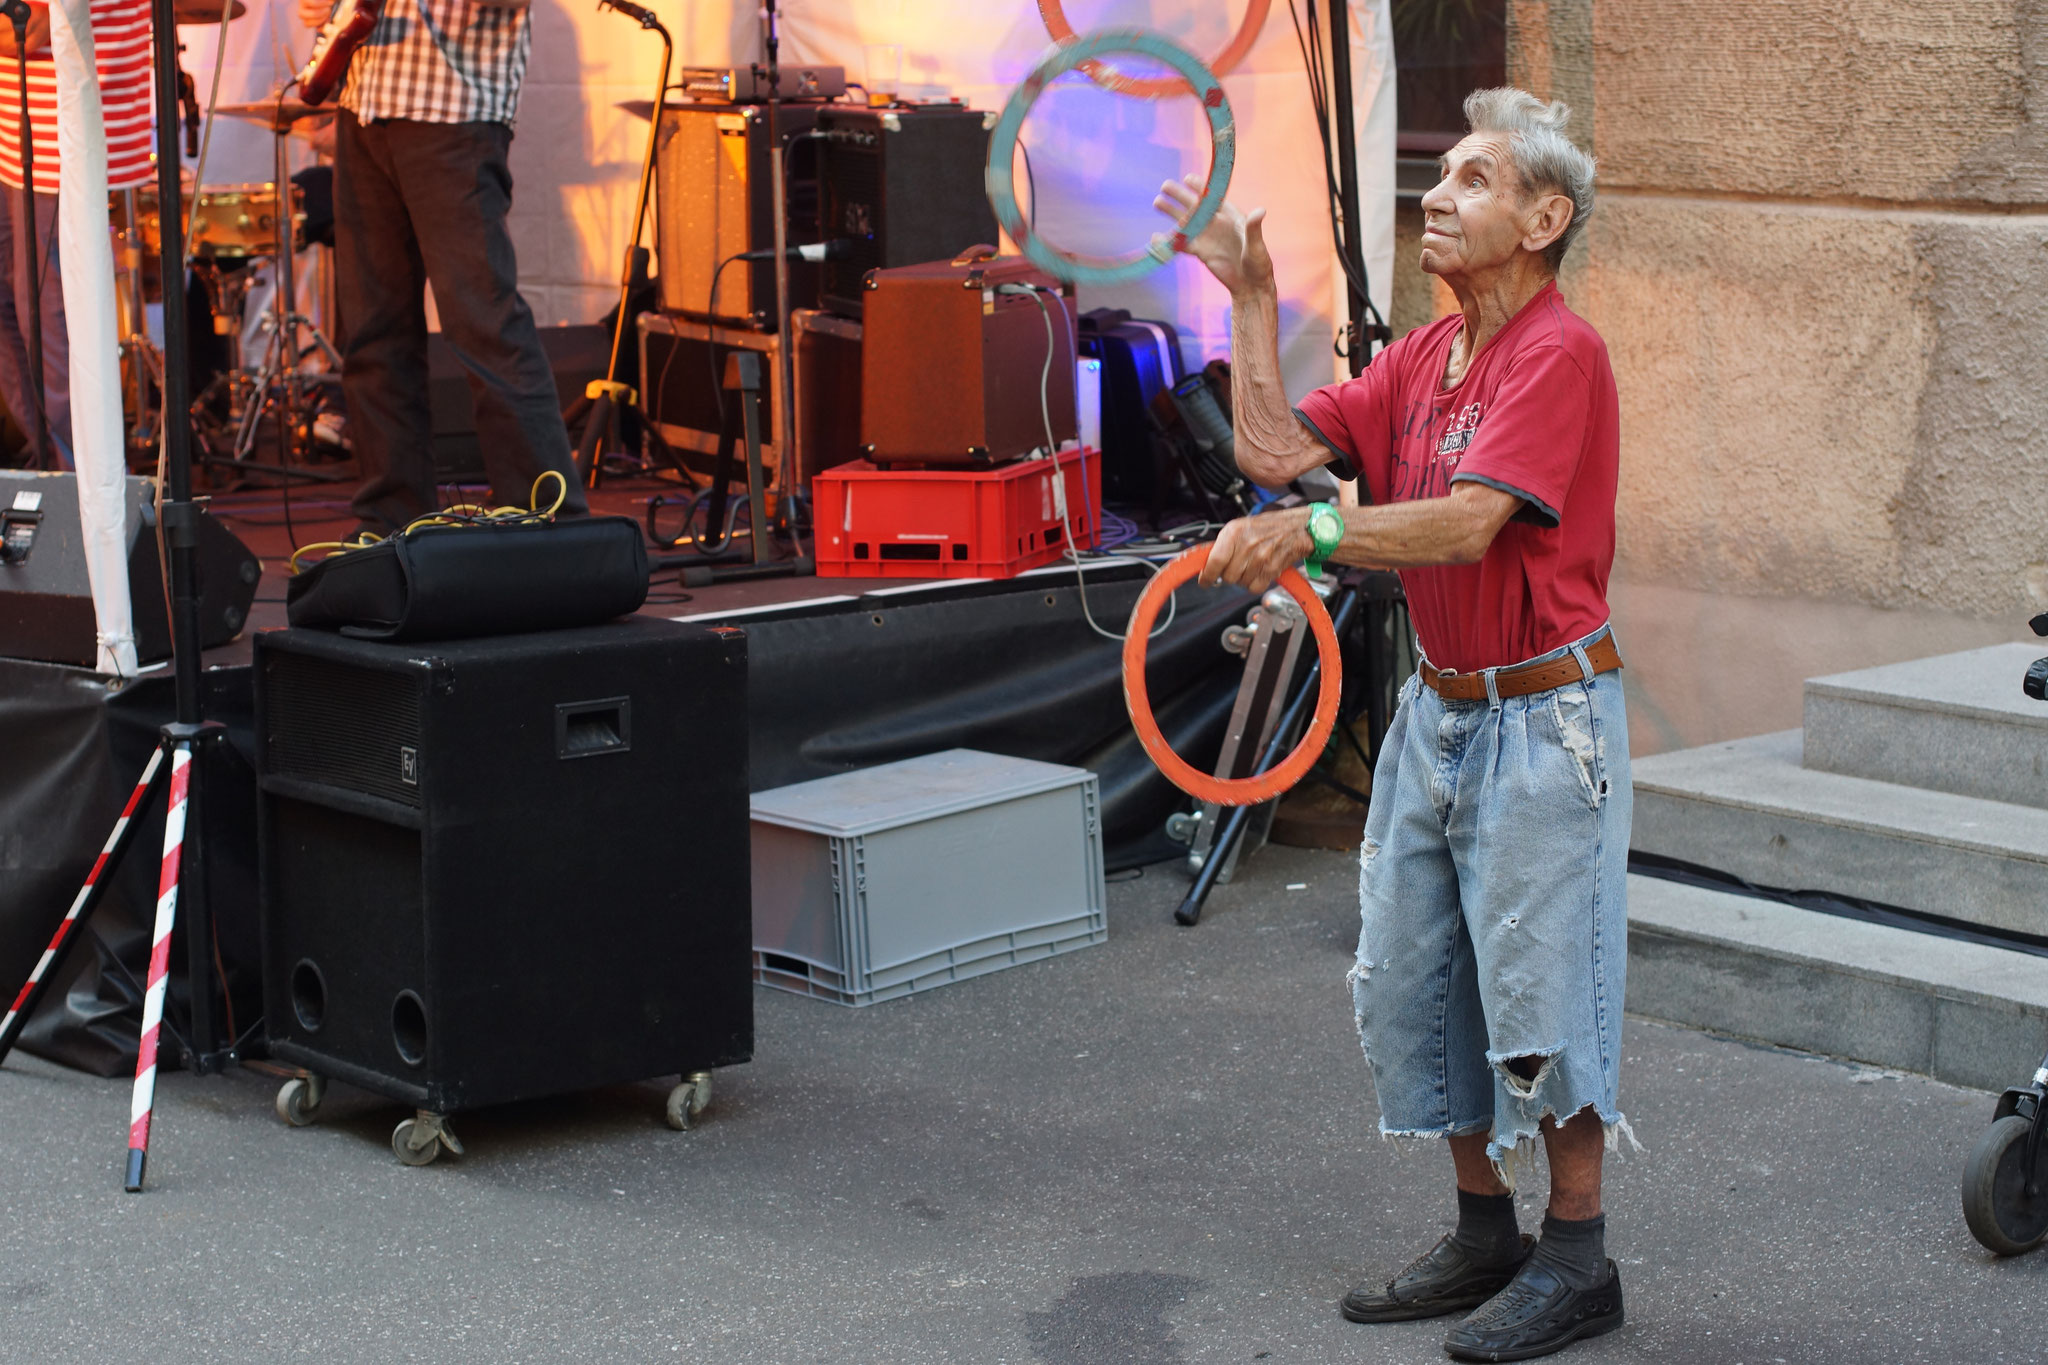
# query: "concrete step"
x,y
1960,1012
1748,807
1953,723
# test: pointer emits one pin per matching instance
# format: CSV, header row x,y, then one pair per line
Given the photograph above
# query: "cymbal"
x,y
273,115
640,109
207,11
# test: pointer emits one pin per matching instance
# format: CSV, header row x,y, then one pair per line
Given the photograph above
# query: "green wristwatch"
x,y
1326,529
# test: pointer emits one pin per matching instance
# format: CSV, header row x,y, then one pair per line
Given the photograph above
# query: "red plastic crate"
x,y
951,523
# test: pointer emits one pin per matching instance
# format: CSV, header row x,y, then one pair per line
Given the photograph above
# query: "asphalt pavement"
x,y
1158,1150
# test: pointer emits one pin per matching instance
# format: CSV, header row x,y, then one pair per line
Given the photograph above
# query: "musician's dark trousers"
x,y
15,301
418,203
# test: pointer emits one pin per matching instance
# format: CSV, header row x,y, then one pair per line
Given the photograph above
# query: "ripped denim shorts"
x,y
1492,894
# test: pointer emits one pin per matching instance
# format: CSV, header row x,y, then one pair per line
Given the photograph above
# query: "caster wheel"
x,y
688,1100
416,1142
1995,1202
298,1098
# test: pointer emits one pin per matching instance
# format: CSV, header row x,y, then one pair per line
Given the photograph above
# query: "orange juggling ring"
x,y
1162,87
1224,791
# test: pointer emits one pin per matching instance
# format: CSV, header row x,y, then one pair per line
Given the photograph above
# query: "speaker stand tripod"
x,y
181,879
1220,853
171,770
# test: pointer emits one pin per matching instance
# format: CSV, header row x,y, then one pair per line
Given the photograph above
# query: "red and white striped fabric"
x,y
120,38
159,979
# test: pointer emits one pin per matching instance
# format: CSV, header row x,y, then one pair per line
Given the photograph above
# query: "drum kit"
x,y
235,235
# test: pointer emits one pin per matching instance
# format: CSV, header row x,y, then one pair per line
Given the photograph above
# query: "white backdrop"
x,y
1098,158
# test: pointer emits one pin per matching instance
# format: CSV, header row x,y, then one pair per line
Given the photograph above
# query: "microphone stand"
x,y
608,395
789,474
17,13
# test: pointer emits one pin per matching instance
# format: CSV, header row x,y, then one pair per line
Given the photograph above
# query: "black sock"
x,y
1576,1249
1487,1231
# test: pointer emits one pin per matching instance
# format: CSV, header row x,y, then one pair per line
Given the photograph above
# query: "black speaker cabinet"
x,y
503,868
46,609
904,186
713,200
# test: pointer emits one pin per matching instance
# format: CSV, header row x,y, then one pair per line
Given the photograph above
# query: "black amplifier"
x,y
503,868
903,185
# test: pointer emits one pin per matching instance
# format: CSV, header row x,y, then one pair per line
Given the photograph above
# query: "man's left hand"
x,y
1252,552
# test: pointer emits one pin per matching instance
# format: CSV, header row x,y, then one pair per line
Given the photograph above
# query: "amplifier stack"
x,y
882,188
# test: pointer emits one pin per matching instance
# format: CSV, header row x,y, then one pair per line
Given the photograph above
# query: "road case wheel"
x,y
299,1098
416,1142
690,1098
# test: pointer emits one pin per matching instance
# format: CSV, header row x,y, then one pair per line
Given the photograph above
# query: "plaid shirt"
x,y
441,61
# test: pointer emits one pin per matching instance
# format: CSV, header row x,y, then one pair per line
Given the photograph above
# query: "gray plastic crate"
x,y
888,881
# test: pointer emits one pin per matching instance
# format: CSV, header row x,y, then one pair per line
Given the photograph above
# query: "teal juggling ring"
x,y
1002,149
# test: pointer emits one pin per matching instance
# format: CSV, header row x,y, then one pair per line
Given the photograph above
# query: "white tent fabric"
x,y
87,258
1097,158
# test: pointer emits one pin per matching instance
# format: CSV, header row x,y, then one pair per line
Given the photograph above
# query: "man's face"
x,y
1478,214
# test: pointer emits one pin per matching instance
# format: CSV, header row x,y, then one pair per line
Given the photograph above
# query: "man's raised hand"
x,y
1233,246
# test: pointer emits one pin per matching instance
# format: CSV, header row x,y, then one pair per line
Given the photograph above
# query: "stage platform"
x,y
258,516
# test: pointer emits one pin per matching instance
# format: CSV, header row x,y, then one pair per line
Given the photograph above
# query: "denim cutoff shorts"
x,y
1492,891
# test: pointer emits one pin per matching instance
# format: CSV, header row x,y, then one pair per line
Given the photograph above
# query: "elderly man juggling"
x,y
1493,941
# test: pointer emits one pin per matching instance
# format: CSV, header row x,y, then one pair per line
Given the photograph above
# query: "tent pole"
x,y
1357,332
180,516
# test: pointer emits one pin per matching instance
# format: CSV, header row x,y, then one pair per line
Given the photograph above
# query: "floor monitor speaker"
x,y
46,609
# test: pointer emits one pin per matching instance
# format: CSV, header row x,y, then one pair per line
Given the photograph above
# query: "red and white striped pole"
x,y
159,967
88,895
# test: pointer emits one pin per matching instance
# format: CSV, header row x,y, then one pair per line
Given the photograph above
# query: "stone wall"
x,y
1820,261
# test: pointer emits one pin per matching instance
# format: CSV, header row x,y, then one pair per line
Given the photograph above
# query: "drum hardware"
x,y
142,363
233,228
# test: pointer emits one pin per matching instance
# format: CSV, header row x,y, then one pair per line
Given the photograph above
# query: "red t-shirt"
x,y
1536,415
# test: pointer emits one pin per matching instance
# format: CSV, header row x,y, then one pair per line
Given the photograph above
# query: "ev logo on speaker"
x,y
408,765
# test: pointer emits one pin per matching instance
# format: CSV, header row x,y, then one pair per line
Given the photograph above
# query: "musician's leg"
x,y
381,284
56,334
13,322
460,189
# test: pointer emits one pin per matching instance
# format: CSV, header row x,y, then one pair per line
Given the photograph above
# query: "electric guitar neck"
x,y
345,32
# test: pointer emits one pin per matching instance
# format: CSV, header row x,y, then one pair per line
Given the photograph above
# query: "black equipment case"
x,y
504,868
1140,359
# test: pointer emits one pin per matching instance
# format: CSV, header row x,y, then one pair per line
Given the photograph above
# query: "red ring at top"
x,y
1158,87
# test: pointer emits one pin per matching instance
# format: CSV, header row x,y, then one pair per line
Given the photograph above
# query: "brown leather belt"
x,y
1520,682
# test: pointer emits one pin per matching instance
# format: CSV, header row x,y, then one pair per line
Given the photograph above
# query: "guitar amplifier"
x,y
503,868
713,199
945,328
901,185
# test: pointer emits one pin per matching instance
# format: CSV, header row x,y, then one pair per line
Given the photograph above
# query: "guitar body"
x,y
351,24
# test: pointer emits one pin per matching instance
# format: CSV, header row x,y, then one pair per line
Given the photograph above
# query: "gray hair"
x,y
1545,158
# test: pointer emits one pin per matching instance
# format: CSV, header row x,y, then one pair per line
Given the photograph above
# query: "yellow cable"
x,y
462,514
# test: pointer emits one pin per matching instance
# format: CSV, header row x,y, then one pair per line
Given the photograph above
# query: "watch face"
x,y
1326,528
